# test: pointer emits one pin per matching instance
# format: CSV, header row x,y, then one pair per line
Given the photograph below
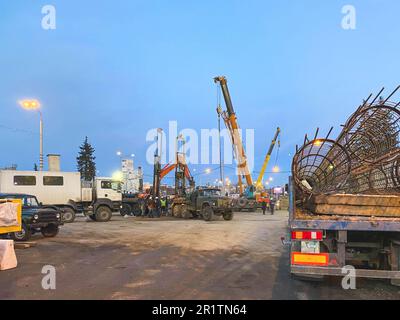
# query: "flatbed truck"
x,y
322,245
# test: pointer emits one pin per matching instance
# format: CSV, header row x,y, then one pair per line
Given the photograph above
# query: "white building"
x,y
131,178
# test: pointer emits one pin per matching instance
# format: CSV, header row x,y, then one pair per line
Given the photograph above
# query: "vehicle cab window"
x,y
113,185
194,195
30,202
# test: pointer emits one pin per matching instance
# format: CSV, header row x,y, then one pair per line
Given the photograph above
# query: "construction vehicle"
x,y
254,194
259,184
261,194
187,201
203,202
247,199
344,199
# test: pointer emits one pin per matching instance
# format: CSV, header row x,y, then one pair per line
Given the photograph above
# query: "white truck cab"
x,y
108,188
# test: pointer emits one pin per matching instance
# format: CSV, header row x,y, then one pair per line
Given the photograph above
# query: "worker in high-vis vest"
x,y
163,202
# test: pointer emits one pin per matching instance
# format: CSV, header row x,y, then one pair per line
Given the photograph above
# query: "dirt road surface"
x,y
140,258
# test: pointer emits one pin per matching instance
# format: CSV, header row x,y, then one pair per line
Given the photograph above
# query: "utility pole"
x,y
157,164
41,142
34,104
221,164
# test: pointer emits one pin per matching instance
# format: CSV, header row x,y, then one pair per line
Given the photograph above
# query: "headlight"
x,y
58,216
214,204
36,217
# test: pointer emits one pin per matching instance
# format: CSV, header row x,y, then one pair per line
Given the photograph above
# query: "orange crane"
x,y
232,125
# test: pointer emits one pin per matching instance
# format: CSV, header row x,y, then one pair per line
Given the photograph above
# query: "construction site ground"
x,y
167,258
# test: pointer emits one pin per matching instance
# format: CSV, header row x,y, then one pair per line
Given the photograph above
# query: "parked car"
x,y
35,217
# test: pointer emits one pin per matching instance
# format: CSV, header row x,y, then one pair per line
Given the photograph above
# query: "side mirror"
x,y
40,203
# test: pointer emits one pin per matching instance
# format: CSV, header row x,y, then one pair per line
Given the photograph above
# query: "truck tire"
x,y
228,215
185,214
103,214
136,210
68,215
207,213
125,210
92,217
23,235
50,231
176,211
242,202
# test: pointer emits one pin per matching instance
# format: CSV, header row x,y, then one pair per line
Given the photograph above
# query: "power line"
x,y
18,129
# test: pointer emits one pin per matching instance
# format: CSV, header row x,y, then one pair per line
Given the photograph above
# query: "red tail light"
x,y
307,235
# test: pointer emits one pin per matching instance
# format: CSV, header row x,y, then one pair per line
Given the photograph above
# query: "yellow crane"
x,y
267,158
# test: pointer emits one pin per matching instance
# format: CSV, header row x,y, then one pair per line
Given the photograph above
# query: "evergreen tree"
x,y
86,161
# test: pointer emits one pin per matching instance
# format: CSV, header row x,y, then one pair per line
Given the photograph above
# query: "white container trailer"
x,y
65,190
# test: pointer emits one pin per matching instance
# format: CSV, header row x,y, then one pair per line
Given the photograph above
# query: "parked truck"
x,y
322,245
65,190
203,202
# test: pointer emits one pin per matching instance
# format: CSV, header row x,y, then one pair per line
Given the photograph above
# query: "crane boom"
x,y
267,157
232,125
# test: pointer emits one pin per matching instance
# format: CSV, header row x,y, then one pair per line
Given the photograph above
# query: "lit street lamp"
x,y
32,104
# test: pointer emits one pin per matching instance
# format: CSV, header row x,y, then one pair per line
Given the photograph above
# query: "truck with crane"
x,y
253,194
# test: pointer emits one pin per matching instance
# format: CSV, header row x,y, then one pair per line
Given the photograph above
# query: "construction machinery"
x,y
248,199
182,172
261,194
230,119
203,202
259,184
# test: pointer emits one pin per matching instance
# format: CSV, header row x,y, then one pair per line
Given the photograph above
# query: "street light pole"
x,y
41,142
35,105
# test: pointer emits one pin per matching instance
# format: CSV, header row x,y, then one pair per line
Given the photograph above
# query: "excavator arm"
x,y
167,169
170,167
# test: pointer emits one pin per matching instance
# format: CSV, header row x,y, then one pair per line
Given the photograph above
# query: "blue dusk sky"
x,y
112,70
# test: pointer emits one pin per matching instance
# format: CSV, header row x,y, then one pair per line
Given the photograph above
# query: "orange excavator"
x,y
182,172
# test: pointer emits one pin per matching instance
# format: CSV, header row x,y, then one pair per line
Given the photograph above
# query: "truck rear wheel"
x,y
136,210
50,231
228,215
23,235
103,214
207,213
185,213
125,210
176,211
68,215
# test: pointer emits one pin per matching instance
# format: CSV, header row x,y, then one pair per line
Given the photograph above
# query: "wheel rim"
x,y
103,214
67,216
20,234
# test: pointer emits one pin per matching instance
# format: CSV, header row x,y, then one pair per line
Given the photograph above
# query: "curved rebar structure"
x,y
365,158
